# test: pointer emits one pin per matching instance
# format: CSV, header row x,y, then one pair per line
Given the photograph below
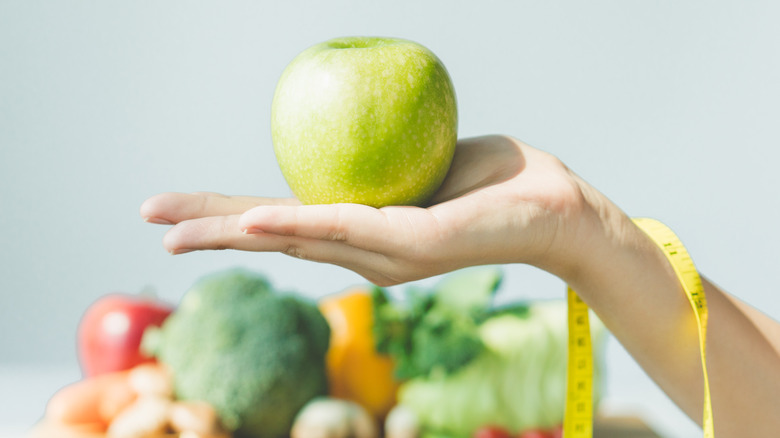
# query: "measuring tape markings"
x,y
578,421
578,417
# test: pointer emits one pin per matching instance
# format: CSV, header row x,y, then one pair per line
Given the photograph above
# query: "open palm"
x,y
502,202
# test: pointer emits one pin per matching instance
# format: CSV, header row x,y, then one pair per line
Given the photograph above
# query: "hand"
x,y
502,202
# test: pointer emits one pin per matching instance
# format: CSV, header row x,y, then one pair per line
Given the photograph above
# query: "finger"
x,y
172,208
386,230
222,232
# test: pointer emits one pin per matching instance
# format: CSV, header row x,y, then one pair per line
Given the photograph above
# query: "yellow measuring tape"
x,y
578,419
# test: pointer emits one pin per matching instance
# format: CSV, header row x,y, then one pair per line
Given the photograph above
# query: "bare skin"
x,y
506,202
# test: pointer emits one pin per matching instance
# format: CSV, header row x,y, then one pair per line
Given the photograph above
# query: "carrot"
x,y
82,402
115,398
49,429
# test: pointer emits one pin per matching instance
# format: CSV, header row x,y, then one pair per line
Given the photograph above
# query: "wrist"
x,y
618,270
590,237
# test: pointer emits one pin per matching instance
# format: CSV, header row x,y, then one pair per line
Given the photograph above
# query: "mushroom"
x,y
195,418
402,422
325,417
146,417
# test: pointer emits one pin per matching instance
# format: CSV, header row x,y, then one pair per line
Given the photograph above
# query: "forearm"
x,y
743,359
629,283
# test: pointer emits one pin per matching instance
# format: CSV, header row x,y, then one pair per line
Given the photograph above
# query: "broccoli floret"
x,y
256,355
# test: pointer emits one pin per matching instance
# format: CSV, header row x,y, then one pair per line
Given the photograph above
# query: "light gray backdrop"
x,y
669,107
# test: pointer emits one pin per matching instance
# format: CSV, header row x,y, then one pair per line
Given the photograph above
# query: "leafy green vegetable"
x,y
517,382
437,331
469,291
468,364
255,354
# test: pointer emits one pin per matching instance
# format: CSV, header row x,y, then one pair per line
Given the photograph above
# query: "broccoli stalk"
x,y
256,355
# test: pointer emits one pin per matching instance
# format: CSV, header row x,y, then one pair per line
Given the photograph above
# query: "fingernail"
x,y
156,220
253,231
180,251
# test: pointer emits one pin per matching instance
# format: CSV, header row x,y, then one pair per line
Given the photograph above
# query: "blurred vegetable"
x,y
116,397
92,401
256,355
109,333
402,422
436,330
492,432
325,417
356,371
535,433
518,382
151,379
146,417
471,364
196,417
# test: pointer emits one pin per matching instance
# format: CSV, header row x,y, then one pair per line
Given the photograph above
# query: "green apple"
x,y
364,120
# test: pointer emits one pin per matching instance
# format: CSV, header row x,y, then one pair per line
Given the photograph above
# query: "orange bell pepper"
x,y
356,371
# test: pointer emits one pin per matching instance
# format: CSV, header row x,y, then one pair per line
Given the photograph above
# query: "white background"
x,y
668,107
